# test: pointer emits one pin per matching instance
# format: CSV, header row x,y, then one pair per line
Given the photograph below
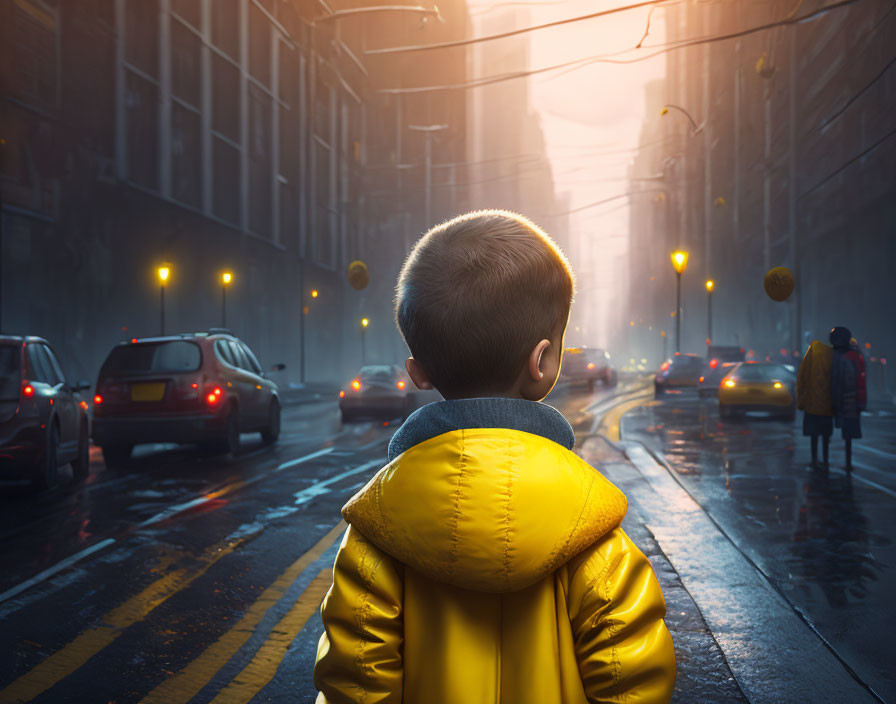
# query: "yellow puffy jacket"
x,y
488,566
813,380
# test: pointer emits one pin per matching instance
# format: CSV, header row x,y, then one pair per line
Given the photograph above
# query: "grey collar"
x,y
493,412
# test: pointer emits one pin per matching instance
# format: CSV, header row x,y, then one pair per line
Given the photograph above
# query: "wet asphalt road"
x,y
185,576
207,573
825,539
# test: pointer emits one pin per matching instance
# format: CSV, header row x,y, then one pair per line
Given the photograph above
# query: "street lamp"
x,y
164,272
710,285
226,278
679,263
364,323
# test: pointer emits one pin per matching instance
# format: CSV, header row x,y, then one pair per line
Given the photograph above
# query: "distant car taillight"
x,y
591,365
713,364
400,385
356,385
97,400
342,394
664,366
213,398
27,390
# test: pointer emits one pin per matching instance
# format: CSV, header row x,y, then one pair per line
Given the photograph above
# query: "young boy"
x,y
485,562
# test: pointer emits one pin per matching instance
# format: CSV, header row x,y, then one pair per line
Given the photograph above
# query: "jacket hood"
x,y
489,509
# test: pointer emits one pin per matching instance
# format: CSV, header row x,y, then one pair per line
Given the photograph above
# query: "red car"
x,y
43,421
203,388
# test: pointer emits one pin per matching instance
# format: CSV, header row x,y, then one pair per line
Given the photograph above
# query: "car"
x,y
589,365
44,423
381,391
758,386
201,388
679,371
713,373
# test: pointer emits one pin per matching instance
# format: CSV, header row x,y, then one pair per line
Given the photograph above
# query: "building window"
x,y
185,150
141,118
185,63
260,37
225,98
34,32
142,35
260,167
324,233
226,26
188,10
226,180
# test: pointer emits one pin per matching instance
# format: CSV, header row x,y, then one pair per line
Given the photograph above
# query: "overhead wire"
x,y
606,58
510,33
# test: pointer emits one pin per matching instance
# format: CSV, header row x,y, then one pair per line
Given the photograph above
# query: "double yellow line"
x,y
183,686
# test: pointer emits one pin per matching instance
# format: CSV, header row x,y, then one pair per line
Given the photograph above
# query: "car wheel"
x,y
81,463
116,456
48,470
230,441
270,434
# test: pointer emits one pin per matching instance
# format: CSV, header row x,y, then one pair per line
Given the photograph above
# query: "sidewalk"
x,y
703,672
736,638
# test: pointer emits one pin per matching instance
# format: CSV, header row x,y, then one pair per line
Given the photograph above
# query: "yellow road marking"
x,y
263,666
64,662
186,684
609,424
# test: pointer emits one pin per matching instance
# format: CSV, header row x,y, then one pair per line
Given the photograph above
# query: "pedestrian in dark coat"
x,y
848,389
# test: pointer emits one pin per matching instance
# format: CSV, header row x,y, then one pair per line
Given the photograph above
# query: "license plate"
x,y
148,392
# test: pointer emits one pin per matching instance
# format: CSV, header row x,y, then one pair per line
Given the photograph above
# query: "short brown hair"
x,y
476,294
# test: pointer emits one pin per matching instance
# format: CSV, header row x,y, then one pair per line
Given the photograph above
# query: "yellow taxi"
x,y
758,386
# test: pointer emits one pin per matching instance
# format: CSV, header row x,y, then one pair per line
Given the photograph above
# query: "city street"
x,y
188,577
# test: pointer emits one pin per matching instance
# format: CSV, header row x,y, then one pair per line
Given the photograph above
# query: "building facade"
x,y
208,135
777,149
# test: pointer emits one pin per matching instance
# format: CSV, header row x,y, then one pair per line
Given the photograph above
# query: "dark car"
x,y
381,391
680,370
589,365
202,388
43,421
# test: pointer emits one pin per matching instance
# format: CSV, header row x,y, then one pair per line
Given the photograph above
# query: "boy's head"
x,y
482,302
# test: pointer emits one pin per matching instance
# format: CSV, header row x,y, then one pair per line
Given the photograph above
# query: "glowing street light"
x,y
364,323
226,278
710,286
314,293
679,263
164,272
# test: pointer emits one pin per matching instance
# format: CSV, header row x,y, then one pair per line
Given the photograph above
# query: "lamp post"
x,y
679,263
164,272
364,323
306,309
226,278
710,285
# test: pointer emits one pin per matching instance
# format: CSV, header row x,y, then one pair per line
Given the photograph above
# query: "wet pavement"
x,y
823,538
187,577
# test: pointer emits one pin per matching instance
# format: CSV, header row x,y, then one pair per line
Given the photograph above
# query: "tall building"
x,y
208,135
779,149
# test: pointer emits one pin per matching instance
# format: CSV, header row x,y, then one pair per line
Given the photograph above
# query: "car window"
x,y
762,372
37,366
222,349
254,366
239,356
54,363
153,357
10,371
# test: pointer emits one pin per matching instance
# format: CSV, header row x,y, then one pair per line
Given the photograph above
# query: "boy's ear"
x,y
536,373
417,374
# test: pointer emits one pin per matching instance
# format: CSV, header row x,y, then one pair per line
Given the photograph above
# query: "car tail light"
x,y
713,363
701,379
356,385
97,400
400,384
83,405
664,366
729,383
342,394
27,390
591,365
778,384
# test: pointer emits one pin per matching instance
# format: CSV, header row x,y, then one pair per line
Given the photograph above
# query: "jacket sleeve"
x,y
803,380
624,650
359,656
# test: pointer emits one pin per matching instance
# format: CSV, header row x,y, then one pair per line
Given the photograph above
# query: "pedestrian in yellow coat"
x,y
485,563
813,396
